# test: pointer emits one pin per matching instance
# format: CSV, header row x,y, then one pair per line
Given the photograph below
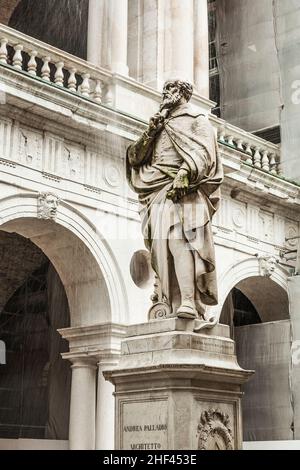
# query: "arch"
x,y
36,379
268,297
256,306
7,9
84,261
247,268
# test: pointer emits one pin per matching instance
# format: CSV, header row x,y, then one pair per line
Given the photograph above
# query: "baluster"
x,y
32,65
278,167
222,137
59,74
85,86
17,58
273,169
72,82
3,50
98,92
46,69
257,158
240,145
248,151
108,96
230,140
265,161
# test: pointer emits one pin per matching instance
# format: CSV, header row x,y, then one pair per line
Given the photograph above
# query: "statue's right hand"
x,y
156,122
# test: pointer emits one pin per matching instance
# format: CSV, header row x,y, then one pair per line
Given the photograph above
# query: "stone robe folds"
x,y
189,142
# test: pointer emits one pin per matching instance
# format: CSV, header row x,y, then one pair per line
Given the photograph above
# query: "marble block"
x,y
176,389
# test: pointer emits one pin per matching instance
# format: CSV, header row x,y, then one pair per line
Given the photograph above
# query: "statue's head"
x,y
176,92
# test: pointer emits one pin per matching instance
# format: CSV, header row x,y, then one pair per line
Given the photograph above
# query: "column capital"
x,y
108,361
81,360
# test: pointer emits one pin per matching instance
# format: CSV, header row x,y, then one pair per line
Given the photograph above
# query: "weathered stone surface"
x,y
166,167
177,389
173,324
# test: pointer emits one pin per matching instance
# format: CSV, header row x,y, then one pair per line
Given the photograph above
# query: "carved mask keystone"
x,y
47,206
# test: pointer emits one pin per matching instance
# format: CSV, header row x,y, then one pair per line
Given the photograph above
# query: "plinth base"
x,y
176,389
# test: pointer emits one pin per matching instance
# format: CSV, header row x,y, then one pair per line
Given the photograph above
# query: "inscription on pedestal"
x,y
144,425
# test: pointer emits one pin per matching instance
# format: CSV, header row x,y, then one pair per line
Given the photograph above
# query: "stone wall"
x,y
249,71
287,17
268,412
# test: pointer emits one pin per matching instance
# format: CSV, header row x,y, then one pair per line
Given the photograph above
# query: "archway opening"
x,y
77,267
61,23
257,311
35,380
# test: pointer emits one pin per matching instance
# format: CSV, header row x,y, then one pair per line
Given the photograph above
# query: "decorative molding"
x,y
51,177
112,175
29,147
160,311
92,189
239,217
5,138
7,163
291,232
215,431
72,164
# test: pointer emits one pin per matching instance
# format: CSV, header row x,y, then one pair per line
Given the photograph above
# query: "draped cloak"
x,y
194,148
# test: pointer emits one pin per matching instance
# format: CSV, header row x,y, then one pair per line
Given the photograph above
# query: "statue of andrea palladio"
x,y
175,169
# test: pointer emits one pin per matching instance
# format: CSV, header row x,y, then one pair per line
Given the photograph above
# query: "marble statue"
x,y
175,169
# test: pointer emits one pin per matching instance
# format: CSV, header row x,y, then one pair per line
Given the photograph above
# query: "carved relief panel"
x,y
5,138
215,431
29,147
71,165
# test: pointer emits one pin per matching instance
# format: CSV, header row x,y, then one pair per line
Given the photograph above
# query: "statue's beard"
x,y
170,101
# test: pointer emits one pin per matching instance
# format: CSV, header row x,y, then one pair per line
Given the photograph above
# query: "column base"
x,y
176,389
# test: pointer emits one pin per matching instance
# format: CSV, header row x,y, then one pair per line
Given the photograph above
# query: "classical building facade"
x,y
78,82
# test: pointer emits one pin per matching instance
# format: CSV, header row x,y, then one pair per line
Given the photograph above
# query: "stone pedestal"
x,y
177,389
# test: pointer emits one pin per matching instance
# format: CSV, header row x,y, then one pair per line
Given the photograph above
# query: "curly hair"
x,y
186,88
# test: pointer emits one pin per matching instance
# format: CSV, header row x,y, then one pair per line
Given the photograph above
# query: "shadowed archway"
x,y
257,310
35,380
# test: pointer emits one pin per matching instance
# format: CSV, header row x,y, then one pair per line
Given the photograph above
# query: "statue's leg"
x,y
185,272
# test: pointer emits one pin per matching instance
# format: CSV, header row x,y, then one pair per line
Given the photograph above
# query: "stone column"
x,y
107,34
201,51
179,40
105,415
83,404
95,31
118,30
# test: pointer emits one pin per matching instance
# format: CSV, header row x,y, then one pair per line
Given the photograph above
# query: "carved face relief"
x,y
47,206
214,431
267,265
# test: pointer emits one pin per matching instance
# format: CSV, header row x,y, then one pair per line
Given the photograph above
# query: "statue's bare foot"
x,y
187,310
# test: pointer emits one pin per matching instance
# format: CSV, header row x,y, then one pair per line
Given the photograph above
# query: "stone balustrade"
x,y
254,151
51,65
64,71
